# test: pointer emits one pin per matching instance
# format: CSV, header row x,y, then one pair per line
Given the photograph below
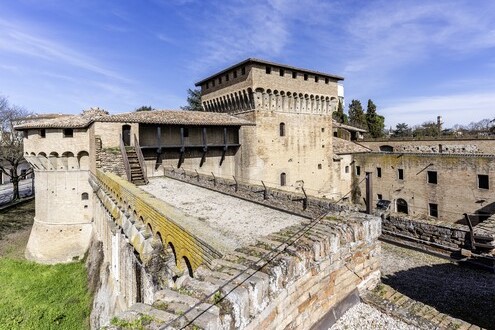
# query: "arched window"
x,y
282,129
84,196
283,179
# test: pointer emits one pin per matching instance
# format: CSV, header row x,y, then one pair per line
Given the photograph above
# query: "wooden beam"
x,y
205,147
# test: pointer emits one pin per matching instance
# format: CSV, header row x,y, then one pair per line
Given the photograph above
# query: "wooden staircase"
x,y
137,174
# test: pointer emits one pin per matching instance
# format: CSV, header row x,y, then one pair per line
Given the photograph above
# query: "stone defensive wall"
x,y
455,145
440,237
143,216
289,279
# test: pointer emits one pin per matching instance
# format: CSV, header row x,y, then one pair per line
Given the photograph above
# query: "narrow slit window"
x,y
43,133
294,75
378,172
243,70
283,179
400,174
316,78
305,76
235,74
282,129
268,69
282,72
358,170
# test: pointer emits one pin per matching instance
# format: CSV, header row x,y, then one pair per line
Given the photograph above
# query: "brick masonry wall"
x,y
436,236
289,279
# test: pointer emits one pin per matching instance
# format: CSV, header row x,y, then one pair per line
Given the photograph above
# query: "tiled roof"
x,y
348,127
177,118
341,146
171,117
263,62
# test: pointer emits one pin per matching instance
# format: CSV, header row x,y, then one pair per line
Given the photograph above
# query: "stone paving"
x,y
234,220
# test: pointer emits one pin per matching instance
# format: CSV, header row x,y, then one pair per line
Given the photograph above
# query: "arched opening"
x,y
402,206
126,135
386,148
84,196
83,160
283,179
282,129
185,264
171,250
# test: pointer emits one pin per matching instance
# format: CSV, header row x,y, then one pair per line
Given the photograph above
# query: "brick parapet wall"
x,y
290,279
437,236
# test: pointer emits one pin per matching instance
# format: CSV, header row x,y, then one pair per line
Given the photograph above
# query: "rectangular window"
x,y
235,74
227,76
319,166
207,85
327,81
483,181
347,169
26,134
379,196
294,74
316,78
68,132
323,129
281,72
305,76
358,170
268,69
43,133
432,177
378,172
243,70
433,210
186,132
219,80
400,173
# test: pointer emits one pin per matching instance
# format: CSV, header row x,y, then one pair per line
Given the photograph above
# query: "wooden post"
x,y
369,193
265,192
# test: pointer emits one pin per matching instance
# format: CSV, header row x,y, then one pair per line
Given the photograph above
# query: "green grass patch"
x,y
38,296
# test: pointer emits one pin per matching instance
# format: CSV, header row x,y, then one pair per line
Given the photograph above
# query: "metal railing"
x,y
126,160
140,158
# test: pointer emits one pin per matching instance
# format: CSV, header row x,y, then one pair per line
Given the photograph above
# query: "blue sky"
x,y
414,59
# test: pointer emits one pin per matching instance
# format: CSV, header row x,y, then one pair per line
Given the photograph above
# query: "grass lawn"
x,y
35,296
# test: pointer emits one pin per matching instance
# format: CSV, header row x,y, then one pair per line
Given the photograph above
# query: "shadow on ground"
x,y
16,218
461,292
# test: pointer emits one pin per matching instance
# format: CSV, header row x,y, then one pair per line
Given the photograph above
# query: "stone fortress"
x,y
105,187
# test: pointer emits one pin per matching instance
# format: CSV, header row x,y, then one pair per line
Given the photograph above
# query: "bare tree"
x,y
11,144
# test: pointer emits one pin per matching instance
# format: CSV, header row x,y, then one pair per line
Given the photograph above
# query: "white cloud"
x,y
22,40
454,109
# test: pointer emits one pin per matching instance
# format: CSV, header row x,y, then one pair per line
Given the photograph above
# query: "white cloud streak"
x,y
21,40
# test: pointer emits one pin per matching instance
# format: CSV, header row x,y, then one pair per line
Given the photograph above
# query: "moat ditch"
x,y
36,296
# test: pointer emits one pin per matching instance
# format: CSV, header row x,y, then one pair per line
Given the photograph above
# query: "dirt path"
x,y
15,227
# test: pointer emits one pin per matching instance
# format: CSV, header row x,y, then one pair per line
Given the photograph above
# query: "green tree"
x,y
357,117
401,130
429,129
11,142
144,108
374,121
193,100
339,115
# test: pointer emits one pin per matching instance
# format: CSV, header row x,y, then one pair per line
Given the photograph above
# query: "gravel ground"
x,y
459,291
363,316
238,220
